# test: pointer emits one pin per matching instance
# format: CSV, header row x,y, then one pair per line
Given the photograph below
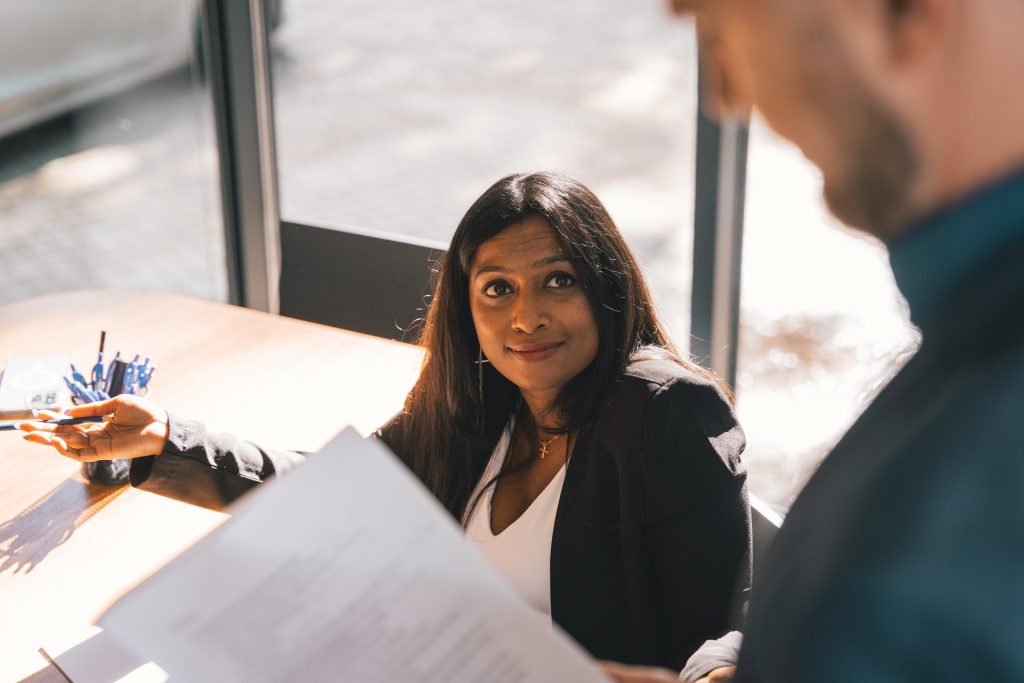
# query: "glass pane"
x,y
107,152
822,324
394,115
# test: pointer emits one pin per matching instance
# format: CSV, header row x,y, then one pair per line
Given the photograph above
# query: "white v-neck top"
x,y
522,552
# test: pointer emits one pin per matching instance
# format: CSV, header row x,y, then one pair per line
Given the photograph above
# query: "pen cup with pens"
x,y
119,377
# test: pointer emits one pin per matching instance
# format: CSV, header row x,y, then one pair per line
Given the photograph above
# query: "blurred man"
x,y
902,559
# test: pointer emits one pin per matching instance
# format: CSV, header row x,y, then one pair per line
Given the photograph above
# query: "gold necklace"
x,y
545,444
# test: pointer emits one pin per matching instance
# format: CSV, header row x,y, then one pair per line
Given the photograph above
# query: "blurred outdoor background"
x,y
392,117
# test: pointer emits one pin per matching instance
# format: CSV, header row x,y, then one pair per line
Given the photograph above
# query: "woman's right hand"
x,y
131,428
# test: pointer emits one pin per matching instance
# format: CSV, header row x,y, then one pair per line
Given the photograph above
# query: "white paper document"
x,y
94,656
346,569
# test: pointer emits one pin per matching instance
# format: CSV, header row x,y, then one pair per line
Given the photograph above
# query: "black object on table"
x,y
110,471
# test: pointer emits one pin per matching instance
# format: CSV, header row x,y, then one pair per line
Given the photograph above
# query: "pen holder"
x,y
109,471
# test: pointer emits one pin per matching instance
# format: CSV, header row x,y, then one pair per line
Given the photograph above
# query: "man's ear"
x,y
723,97
890,34
682,7
918,30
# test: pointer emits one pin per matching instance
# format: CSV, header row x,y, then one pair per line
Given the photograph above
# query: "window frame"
x,y
281,266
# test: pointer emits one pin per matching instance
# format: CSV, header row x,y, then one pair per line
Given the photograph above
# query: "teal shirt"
x,y
934,258
903,557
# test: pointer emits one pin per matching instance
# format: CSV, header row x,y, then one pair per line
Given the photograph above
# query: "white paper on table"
x,y
346,569
93,656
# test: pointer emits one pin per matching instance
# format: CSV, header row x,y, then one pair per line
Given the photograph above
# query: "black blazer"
x,y
652,532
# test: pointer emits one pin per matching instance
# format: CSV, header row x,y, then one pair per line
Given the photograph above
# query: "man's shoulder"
x,y
941,444
916,510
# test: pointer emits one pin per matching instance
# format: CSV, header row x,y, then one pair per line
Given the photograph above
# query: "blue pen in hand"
x,y
62,421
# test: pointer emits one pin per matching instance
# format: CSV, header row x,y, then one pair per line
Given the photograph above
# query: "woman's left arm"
x,y
698,514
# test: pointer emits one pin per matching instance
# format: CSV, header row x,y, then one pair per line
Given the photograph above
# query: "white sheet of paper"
x,y
93,656
346,569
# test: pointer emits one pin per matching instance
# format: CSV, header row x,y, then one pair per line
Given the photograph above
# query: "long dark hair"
x,y
455,413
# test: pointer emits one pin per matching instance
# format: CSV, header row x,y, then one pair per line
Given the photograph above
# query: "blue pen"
x,y
97,370
63,421
141,374
149,374
77,376
79,390
137,374
73,388
110,371
86,393
130,375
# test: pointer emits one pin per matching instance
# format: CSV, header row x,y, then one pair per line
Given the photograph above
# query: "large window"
x,y
394,115
107,156
822,324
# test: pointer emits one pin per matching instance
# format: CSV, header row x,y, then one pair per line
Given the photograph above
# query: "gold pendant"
x,y
544,447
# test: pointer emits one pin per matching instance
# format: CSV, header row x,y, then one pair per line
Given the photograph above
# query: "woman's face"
x,y
531,315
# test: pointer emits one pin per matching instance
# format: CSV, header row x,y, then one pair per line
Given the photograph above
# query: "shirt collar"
x,y
940,253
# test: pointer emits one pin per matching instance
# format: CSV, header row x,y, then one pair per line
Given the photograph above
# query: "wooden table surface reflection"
x,y
68,548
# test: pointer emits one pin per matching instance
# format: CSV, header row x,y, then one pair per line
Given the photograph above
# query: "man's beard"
x,y
874,190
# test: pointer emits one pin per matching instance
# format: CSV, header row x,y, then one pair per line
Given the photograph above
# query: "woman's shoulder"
x,y
663,400
657,392
691,438
654,373
667,431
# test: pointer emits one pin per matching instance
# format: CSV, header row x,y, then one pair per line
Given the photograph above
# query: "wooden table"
x,y
68,548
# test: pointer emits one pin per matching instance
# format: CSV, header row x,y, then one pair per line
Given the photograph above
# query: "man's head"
x,y
901,103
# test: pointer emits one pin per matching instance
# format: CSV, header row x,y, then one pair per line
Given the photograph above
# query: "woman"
x,y
597,470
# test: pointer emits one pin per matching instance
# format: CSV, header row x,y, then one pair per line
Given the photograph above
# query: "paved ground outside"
x,y
393,116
